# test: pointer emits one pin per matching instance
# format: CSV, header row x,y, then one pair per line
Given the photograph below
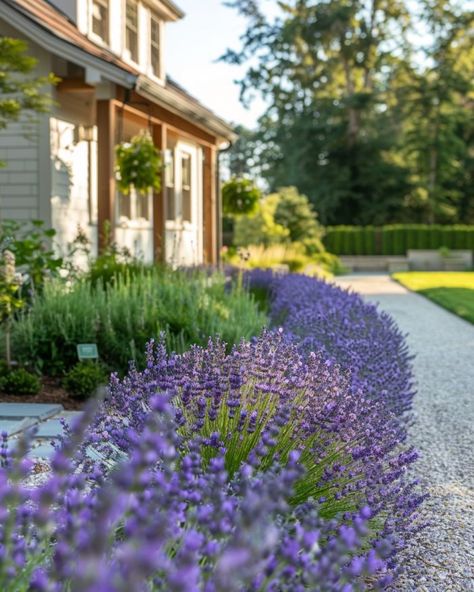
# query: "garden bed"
x,y
51,392
279,464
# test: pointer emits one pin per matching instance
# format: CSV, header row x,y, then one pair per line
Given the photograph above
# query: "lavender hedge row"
x,y
276,467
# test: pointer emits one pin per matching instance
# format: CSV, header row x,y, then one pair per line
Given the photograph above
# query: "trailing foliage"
x,y
396,239
138,164
239,197
121,317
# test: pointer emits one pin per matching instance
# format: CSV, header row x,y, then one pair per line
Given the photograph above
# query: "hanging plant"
x,y
138,164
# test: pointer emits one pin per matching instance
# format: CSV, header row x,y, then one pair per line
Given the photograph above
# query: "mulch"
x,y
51,392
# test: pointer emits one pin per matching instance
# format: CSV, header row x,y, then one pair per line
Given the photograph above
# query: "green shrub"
x,y
369,240
20,382
121,318
84,378
313,246
295,212
330,263
396,239
260,228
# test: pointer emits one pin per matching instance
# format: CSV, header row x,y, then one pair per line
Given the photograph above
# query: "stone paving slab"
x,y
16,425
51,428
37,410
45,450
15,418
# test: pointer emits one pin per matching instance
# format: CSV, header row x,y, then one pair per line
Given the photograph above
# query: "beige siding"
x,y
19,187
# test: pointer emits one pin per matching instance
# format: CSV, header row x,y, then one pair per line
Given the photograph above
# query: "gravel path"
x,y
442,557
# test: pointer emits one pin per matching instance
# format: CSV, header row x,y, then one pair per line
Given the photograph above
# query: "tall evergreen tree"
x,y
347,95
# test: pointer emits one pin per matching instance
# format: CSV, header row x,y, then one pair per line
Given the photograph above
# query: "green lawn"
x,y
450,289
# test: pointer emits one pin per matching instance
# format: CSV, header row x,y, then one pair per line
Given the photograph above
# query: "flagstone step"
x,y
40,411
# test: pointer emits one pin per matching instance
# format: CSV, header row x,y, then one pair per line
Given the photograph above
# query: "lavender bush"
x,y
167,519
339,324
277,467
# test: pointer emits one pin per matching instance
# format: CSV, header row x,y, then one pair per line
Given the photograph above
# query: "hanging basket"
x,y
138,165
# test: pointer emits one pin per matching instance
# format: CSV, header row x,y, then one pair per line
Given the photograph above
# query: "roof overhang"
x,y
167,9
185,107
60,47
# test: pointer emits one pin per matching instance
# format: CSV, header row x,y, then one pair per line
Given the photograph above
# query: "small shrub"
x,y
84,379
20,382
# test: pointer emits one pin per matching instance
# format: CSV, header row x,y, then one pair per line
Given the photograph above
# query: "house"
x,y
110,56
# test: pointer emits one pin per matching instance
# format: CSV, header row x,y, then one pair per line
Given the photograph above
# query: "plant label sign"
x,y
87,351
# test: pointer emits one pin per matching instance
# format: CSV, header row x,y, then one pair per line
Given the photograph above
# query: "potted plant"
x,y
138,165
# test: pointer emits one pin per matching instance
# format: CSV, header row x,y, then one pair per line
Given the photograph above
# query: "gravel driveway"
x,y
442,557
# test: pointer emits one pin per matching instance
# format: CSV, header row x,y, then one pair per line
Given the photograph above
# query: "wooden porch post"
x,y
106,121
210,205
159,199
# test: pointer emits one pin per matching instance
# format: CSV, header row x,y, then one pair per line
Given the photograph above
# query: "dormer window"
x,y
155,46
100,19
131,29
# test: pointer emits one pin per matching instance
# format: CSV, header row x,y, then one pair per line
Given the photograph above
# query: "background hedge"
x,y
396,239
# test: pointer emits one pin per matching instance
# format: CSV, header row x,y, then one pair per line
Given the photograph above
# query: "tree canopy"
x,y
371,124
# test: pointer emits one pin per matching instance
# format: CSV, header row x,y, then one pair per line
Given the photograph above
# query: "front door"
x,y
183,176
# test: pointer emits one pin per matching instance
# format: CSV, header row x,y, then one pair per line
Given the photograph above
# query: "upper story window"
x,y
155,46
131,29
100,19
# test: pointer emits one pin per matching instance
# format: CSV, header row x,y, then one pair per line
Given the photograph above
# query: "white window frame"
x,y
126,52
153,16
96,38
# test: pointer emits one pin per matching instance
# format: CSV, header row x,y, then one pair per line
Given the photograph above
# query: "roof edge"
x,y
57,46
174,8
186,107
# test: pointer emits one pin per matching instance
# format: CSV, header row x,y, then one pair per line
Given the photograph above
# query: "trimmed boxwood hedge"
x,y
396,239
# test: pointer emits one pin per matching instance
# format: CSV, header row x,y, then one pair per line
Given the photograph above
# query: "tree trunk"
x,y
354,118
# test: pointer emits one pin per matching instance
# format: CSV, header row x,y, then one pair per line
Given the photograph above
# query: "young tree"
x,y
20,90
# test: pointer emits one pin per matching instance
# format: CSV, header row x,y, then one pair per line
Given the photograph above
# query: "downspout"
x,y
219,202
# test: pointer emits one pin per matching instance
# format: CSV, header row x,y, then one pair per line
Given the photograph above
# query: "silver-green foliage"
x,y
188,307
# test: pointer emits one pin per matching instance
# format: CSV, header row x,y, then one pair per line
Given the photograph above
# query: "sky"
x,y
193,46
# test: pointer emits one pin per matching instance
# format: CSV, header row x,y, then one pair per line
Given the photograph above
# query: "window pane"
x,y
169,182
124,206
131,39
155,46
143,205
170,203
100,19
186,180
